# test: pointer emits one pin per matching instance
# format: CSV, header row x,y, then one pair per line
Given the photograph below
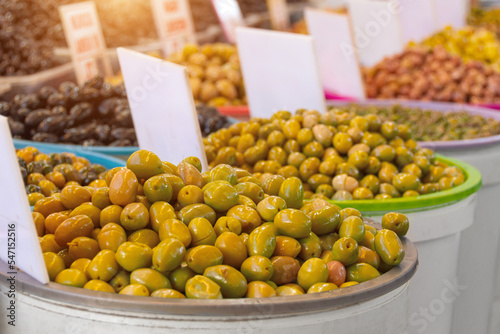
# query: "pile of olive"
x,y
214,73
28,36
94,114
336,155
469,43
421,73
47,174
432,125
154,228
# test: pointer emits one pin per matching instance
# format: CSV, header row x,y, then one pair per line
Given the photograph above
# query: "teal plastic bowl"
x,y
94,157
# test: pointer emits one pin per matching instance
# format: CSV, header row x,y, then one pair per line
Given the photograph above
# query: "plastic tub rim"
x,y
471,185
281,306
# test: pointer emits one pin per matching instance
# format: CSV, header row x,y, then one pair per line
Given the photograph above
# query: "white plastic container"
x,y
479,304
436,223
374,307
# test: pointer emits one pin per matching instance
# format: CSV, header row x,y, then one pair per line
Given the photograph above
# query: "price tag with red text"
x,y
174,24
85,40
230,17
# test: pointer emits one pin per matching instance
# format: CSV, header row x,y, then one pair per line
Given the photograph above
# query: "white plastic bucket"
x,y
479,305
436,223
373,307
435,288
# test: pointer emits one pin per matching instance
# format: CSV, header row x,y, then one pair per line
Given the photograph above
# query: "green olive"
x,y
232,283
233,249
257,268
158,212
180,276
292,192
151,279
293,223
168,255
54,264
310,247
220,196
135,290
352,227
201,257
202,232
346,251
361,272
311,272
259,289
98,285
188,213
200,287
396,222
321,287
72,277
389,247
167,293
133,255
103,266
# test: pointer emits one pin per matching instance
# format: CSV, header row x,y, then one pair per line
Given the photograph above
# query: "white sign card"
x,y
174,24
279,15
418,19
280,71
162,105
451,13
377,30
337,56
230,17
19,243
85,40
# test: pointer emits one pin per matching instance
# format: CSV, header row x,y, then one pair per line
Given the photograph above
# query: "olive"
x,y
201,257
133,255
232,282
168,255
293,223
257,268
72,277
259,289
345,250
200,287
313,271
151,279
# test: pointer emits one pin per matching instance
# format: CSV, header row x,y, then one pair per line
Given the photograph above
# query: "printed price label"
x,y
174,24
85,40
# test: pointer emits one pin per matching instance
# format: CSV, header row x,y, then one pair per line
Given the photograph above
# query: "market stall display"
x,y
339,156
27,37
473,310
420,73
214,73
431,125
213,247
469,43
95,114
489,19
